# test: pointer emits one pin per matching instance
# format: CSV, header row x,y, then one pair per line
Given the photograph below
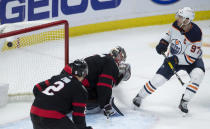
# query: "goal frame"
x,y
44,26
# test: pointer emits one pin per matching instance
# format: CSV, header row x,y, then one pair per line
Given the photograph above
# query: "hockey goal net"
x,y
31,52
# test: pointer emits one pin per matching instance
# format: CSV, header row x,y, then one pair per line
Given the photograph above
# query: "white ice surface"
x,y
159,111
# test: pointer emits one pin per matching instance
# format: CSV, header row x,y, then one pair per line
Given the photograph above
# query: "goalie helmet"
x,y
185,13
79,68
118,53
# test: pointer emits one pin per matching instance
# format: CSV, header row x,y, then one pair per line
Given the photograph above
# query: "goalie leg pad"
x,y
92,108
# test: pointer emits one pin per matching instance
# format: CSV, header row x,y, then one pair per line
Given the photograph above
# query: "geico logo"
x,y
30,10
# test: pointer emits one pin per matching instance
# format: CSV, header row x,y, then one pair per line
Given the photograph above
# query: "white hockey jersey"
x,y
186,46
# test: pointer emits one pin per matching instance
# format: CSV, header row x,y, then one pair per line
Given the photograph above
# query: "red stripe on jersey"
x,y
47,82
79,104
39,87
68,69
86,83
104,84
78,114
46,113
108,76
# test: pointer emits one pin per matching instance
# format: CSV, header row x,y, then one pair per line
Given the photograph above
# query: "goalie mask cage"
x,y
29,55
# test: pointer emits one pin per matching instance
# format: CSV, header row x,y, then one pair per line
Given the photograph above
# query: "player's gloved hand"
x,y
162,46
174,60
125,70
108,111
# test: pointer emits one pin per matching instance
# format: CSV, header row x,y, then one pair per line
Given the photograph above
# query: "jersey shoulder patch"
x,y
195,34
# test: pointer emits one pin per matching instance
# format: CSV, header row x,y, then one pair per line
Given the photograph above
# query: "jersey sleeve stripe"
x,y
108,76
79,104
104,84
39,87
191,60
46,113
186,60
86,83
47,82
68,69
78,114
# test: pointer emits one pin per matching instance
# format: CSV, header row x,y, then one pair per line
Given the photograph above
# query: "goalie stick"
x,y
116,108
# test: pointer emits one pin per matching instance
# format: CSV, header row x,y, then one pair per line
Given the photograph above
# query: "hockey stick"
x,y
172,68
116,108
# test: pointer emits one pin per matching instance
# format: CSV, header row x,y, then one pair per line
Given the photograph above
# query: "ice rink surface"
x,y
158,111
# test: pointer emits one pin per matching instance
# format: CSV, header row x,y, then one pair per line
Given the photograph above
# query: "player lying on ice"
x,y
184,41
62,94
104,72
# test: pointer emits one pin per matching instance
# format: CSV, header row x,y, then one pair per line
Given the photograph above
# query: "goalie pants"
x,y
48,123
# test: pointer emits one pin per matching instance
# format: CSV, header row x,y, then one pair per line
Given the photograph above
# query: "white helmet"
x,y
186,13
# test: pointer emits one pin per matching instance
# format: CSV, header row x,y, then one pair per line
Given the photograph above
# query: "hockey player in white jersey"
x,y
184,41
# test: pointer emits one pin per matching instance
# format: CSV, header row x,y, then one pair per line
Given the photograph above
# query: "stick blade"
x,y
116,108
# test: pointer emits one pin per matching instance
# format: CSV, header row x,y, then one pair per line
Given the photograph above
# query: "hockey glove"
x,y
108,111
125,70
162,46
174,60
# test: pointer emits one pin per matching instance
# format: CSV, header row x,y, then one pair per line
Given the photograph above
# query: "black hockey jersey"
x,y
56,97
102,76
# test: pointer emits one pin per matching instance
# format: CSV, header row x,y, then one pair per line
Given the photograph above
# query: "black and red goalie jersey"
x,y
56,97
102,77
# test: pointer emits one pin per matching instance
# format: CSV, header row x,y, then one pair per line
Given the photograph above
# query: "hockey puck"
x,y
9,44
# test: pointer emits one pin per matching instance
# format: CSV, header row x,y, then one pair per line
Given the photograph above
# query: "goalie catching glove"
x,y
108,110
111,109
125,70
